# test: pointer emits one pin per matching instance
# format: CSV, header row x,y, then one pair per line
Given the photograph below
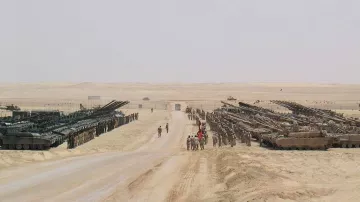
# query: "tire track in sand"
x,y
182,188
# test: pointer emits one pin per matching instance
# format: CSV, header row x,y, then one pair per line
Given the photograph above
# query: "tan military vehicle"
x,y
346,140
298,140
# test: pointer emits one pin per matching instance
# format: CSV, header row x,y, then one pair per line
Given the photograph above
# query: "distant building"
x,y
92,97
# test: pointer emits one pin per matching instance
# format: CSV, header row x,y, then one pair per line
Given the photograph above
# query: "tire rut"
x,y
184,185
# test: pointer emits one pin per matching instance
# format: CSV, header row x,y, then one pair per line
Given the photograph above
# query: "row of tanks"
x,y
40,130
303,128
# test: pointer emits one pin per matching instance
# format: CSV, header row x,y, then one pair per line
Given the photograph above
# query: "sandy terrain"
x,y
132,164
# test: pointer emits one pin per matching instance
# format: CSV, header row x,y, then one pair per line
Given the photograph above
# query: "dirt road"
x,y
106,176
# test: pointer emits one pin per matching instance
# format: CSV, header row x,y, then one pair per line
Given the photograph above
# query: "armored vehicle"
x,y
300,140
10,108
20,114
231,98
45,129
346,140
26,140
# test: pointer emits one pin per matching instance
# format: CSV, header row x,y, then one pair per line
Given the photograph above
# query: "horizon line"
x,y
134,82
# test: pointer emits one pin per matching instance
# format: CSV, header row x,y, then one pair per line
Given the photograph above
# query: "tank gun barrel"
x,y
264,112
112,106
301,109
249,124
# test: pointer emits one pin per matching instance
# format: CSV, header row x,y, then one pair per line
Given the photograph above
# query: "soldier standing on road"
x,y
206,136
188,143
136,116
202,143
199,134
159,131
152,110
196,140
167,128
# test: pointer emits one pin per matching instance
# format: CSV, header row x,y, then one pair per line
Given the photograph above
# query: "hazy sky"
x,y
180,41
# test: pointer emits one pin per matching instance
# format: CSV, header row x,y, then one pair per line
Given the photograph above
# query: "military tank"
x,y
346,140
44,129
26,141
231,98
314,140
10,108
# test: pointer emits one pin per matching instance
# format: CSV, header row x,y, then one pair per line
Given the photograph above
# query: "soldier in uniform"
x,y
192,141
188,142
243,138
246,135
206,136
219,137
223,136
202,143
71,142
215,140
167,128
159,131
233,140
196,141
248,139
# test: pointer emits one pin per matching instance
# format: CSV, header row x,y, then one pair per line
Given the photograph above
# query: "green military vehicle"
x,y
19,136
25,140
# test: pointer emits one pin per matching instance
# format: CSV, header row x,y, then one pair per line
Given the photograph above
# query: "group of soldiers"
x,y
191,116
160,130
199,140
193,143
225,132
89,132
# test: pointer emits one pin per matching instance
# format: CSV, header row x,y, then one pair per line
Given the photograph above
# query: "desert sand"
x,y
131,164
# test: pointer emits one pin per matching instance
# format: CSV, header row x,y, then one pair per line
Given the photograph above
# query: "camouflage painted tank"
x,y
298,140
26,141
